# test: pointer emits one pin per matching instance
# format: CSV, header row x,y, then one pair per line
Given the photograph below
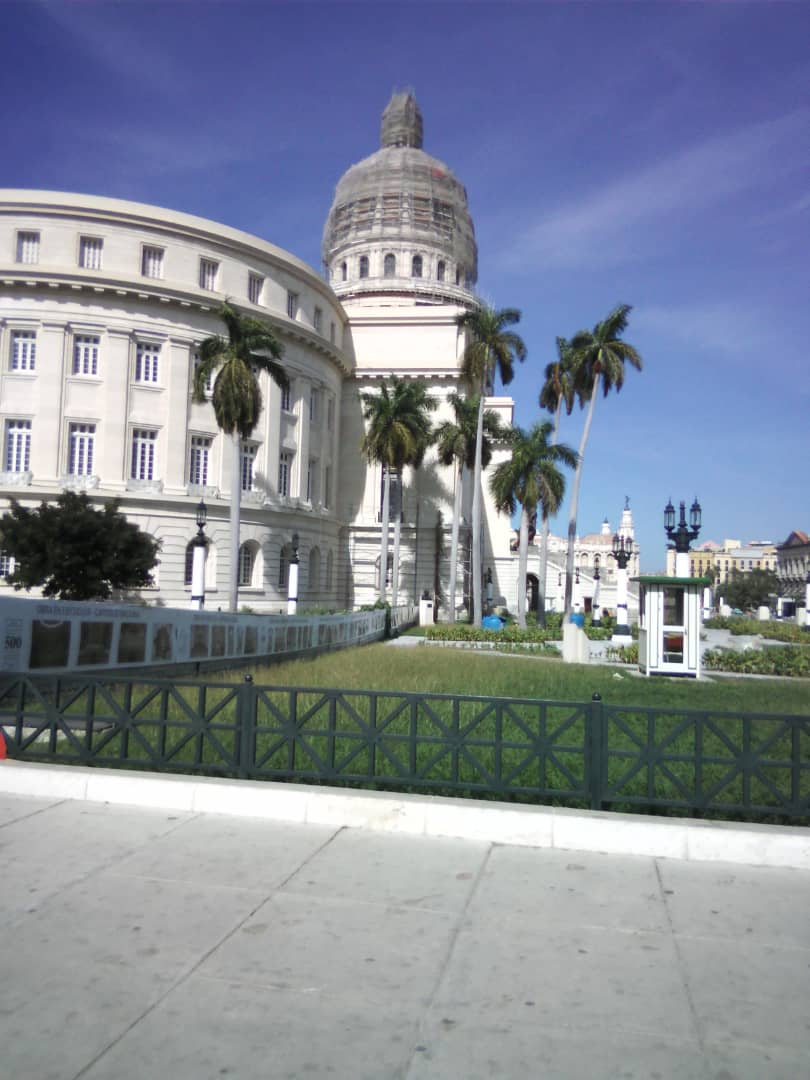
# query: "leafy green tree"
x,y
750,590
529,478
598,358
558,392
75,552
491,349
250,347
398,433
455,445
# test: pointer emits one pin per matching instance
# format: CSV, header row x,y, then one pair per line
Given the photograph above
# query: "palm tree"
x,y
597,357
251,347
455,444
528,479
491,348
398,434
557,391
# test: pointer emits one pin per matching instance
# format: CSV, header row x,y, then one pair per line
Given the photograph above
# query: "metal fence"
x,y
567,753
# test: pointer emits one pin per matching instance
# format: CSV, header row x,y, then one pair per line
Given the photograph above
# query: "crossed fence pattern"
x,y
568,753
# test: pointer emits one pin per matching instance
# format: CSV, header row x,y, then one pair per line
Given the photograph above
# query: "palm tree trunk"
x,y
395,572
236,513
476,513
523,561
541,600
386,513
454,541
572,520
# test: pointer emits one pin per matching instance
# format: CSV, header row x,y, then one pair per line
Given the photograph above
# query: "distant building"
x,y
727,558
793,564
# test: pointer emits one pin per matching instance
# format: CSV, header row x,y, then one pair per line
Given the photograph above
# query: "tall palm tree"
x,y
598,357
250,347
398,434
528,479
557,391
491,349
455,445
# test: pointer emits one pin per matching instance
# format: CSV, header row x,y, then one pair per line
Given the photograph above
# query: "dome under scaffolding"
x,y
399,222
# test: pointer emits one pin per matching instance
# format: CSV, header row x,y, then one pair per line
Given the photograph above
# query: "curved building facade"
x,y
104,304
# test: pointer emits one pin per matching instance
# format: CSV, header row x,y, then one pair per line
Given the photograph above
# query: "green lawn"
x,y
442,670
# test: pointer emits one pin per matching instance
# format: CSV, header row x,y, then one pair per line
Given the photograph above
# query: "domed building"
x,y
103,306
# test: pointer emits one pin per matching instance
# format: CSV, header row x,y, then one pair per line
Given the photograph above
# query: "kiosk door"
x,y
673,629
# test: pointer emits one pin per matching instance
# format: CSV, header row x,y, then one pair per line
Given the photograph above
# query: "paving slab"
x,y
141,944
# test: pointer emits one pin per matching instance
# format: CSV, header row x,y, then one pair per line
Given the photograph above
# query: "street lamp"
x,y
596,610
489,589
200,543
681,537
292,580
576,600
622,552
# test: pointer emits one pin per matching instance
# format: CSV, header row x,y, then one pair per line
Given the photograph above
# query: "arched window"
x,y
248,563
314,575
440,266
344,270
330,560
390,265
416,266
458,275
363,266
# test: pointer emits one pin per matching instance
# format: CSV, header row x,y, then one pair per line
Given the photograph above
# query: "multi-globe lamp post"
x,y
292,582
682,535
622,552
200,543
596,610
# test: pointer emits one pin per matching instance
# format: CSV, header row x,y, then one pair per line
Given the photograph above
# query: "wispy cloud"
x,y
619,222
118,37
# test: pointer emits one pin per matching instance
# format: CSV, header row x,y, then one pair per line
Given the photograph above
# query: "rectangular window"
x,y
90,251
81,439
327,485
198,460
23,350
209,382
248,466
27,247
255,286
317,319
85,355
330,413
208,274
152,262
6,564
284,468
310,479
18,445
292,304
313,405
332,333
147,357
143,454
286,399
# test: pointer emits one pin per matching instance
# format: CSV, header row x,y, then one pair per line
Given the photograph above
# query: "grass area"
x,y
440,670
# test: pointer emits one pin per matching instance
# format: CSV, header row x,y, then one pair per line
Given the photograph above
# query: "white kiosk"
x,y
669,625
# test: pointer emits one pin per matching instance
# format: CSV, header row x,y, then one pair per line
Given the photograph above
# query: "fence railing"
x,y
587,754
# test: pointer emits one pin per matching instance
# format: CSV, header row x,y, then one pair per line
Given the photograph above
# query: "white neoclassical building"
x,y
103,305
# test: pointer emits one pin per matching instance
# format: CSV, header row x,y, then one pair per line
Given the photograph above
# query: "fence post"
x,y
596,717
246,726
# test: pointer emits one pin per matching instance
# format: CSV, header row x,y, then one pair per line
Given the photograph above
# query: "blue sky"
x,y
654,154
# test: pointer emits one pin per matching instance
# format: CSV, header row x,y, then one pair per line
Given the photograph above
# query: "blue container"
x,y
492,622
578,619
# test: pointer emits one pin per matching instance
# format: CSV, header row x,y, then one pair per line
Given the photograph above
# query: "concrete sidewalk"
x,y
146,943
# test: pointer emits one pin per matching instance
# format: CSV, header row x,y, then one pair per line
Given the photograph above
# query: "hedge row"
x,y
768,661
774,629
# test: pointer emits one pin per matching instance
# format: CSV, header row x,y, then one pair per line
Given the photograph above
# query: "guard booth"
x,y
669,625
